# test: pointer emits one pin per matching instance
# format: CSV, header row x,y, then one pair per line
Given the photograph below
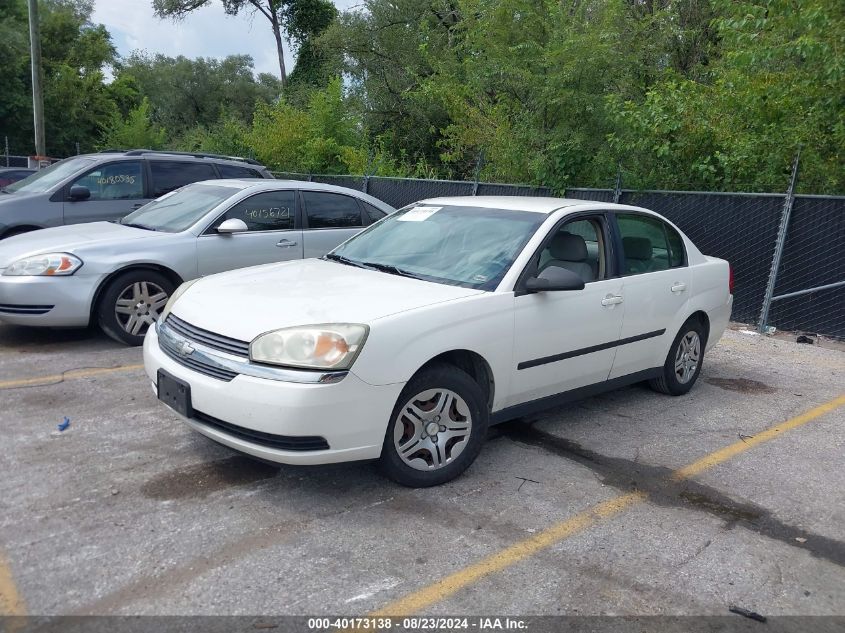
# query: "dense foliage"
x,y
685,94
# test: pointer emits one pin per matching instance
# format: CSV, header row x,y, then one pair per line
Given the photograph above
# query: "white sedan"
x,y
407,341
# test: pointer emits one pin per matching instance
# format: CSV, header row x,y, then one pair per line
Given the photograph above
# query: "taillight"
x,y
730,279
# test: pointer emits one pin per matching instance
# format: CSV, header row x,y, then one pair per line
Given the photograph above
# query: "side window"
x,y
331,210
270,211
644,244
235,171
676,247
114,181
372,213
577,246
170,175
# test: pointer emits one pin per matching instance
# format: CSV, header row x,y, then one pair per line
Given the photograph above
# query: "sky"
x,y
207,32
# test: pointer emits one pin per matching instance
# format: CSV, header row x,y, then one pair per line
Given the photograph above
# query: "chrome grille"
x,y
209,339
173,347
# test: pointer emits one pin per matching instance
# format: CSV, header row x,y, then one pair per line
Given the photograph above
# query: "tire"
x,y
131,302
453,397
684,361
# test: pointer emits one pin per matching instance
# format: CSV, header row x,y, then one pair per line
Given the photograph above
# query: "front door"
x,y
272,235
566,339
116,190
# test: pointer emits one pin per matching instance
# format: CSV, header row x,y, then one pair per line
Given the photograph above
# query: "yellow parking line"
x,y
11,603
73,373
724,454
451,584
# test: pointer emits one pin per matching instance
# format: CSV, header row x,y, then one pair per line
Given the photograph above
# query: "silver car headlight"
x,y
176,294
48,264
324,346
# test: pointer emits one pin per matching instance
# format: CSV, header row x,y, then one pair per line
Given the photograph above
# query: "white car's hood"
x,y
67,239
245,303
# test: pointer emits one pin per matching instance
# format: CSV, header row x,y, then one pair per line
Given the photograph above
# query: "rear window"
x,y
170,175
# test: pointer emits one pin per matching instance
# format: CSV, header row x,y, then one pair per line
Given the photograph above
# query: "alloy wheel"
x,y
687,357
139,305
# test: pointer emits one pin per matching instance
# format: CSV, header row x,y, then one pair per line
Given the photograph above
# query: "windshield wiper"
x,y
389,268
140,226
344,260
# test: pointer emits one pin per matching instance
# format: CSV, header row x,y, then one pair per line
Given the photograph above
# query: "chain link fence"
x,y
808,291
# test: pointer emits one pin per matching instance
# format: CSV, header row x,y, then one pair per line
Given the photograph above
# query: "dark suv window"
x,y
170,175
269,211
331,210
235,171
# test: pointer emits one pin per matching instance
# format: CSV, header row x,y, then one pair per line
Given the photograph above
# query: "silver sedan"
x,y
120,275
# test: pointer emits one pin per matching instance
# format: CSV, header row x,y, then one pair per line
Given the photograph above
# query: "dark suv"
x,y
108,186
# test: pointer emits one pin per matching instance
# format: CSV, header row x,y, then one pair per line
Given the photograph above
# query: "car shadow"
x,y
40,339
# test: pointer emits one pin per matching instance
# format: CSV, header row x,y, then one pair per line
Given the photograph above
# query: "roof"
x,y
509,203
270,184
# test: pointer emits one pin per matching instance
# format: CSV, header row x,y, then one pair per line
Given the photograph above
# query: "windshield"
x,y
45,179
459,246
178,210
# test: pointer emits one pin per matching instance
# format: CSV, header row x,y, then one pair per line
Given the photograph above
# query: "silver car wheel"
x,y
432,429
139,305
687,357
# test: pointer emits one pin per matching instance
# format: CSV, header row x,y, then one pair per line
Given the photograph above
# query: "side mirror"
x,y
554,278
78,192
232,225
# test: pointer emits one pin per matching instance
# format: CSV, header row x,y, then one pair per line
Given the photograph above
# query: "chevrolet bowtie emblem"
x,y
184,348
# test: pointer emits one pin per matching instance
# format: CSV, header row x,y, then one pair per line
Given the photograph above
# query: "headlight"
x,y
327,346
176,294
47,264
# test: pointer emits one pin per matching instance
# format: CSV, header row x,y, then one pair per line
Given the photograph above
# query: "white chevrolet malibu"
x,y
407,341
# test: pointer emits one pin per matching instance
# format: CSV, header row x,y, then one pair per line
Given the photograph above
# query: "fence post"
x,y
781,240
478,167
617,188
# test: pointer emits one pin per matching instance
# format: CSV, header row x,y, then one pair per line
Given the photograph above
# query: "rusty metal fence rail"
x,y
807,292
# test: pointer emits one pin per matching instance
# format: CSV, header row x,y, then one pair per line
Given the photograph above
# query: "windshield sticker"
x,y
419,214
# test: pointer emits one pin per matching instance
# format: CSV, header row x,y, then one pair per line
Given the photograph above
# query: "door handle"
x,y
678,286
138,205
285,243
611,300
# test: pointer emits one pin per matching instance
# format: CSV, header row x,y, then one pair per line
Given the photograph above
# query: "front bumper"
x,y
351,415
48,301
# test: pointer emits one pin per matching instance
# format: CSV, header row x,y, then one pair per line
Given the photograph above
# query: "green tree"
x,y
136,130
779,82
76,99
186,93
286,17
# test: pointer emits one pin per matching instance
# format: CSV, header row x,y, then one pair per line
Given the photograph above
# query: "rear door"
x,y
273,234
566,339
330,218
116,188
656,289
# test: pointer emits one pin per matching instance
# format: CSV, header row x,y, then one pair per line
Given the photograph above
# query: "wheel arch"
x,y
471,363
701,317
171,274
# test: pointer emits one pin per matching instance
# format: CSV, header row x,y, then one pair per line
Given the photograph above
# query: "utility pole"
x,y
37,95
